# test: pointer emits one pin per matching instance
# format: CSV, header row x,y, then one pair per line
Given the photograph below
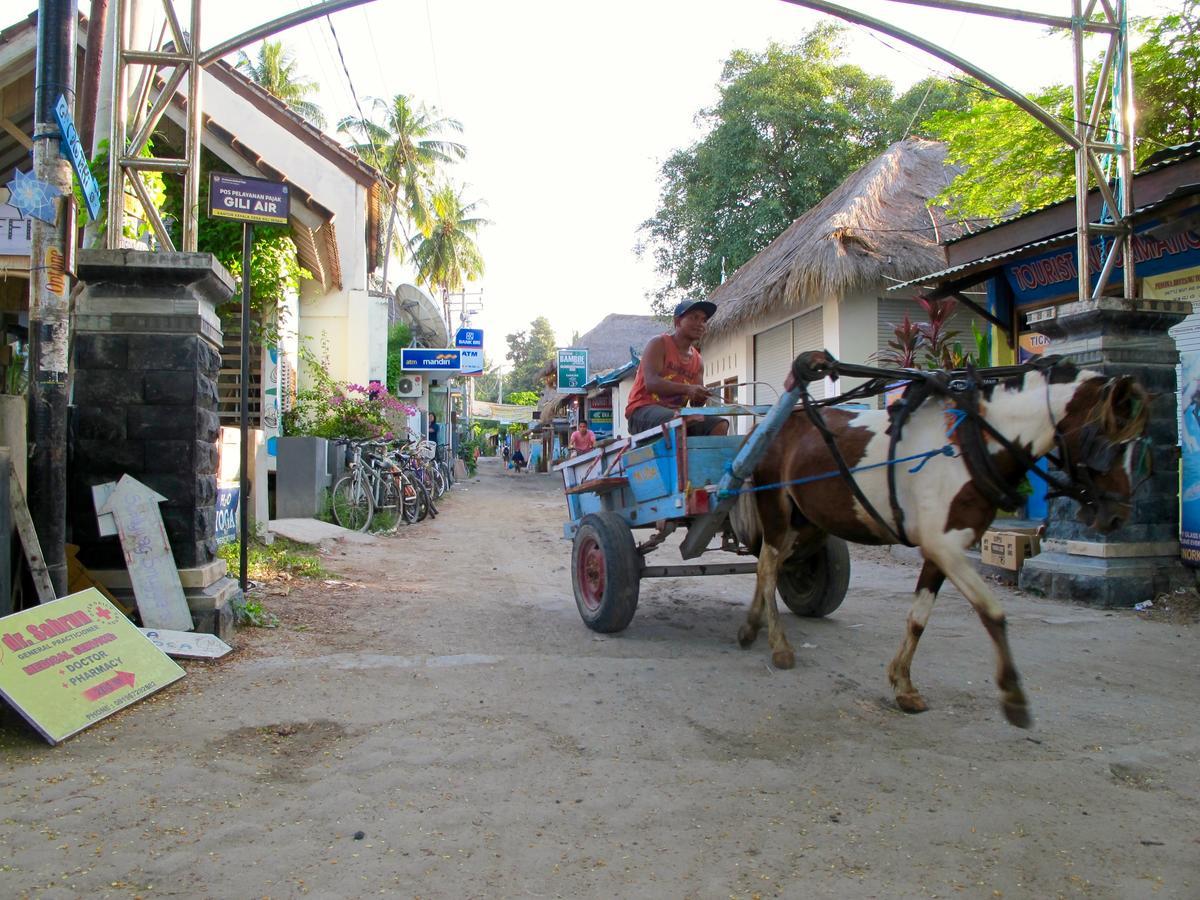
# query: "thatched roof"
x,y
875,227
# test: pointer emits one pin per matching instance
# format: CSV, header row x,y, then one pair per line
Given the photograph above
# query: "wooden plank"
x,y
29,538
598,486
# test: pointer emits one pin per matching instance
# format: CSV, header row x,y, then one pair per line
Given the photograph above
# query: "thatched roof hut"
x,y
874,227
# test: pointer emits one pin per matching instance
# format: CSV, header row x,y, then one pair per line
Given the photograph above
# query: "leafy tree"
x,y
523,398
790,124
530,352
448,257
1011,161
276,73
407,147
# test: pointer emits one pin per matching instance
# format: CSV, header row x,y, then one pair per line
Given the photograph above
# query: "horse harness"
x,y
962,389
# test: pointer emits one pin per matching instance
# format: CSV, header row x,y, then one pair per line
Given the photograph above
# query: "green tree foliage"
x,y
791,123
530,352
448,256
404,142
522,398
275,71
1012,162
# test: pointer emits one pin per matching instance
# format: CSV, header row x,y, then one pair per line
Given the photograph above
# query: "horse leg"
x,y
767,579
899,671
973,587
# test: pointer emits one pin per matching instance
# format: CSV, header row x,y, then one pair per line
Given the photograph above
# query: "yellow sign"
x,y
67,664
1182,284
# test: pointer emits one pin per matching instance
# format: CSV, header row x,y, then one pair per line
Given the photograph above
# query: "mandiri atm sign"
x,y
67,664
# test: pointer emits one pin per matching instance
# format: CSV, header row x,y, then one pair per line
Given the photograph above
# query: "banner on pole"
x,y
253,200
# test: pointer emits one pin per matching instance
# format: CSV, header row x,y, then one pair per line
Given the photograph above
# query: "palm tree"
x,y
447,256
275,72
406,146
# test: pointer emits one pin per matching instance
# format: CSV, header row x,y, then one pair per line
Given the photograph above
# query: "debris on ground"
x,y
1179,607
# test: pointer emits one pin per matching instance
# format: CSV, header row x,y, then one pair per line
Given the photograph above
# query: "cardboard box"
x,y
1008,549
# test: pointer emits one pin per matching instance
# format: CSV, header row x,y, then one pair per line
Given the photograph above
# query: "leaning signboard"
x,y
243,199
67,664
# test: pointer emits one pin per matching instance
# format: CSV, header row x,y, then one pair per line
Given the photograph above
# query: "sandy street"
x,y
439,723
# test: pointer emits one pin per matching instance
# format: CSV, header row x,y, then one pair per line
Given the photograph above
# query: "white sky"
x,y
569,109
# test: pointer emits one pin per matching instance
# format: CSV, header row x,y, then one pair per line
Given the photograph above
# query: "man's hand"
x,y
697,393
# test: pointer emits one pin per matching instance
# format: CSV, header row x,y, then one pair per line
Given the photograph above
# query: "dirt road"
x,y
440,724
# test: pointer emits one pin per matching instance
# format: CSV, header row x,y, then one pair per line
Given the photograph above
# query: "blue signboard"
x,y
468,337
430,359
72,149
227,513
1055,275
242,199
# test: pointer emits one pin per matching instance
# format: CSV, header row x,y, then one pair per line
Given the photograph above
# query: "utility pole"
x,y
48,296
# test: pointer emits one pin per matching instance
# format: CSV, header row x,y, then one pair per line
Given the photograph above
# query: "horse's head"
x,y
1102,447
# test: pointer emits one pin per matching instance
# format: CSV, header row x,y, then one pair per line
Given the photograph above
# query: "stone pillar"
x,y
1141,558
147,353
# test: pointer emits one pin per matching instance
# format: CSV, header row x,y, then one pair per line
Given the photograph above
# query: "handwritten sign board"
x,y
188,644
152,571
572,370
243,199
67,664
72,149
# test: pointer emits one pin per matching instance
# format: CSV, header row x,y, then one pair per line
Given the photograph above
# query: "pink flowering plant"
x,y
335,409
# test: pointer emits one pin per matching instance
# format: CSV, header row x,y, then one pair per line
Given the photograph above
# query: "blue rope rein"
x,y
947,450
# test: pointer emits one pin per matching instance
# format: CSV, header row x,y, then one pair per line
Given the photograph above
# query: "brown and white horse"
x,y
1090,419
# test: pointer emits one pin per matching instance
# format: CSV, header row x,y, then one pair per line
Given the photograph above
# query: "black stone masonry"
x,y
146,357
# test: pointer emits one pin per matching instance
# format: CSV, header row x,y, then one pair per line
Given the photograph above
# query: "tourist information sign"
x,y
67,664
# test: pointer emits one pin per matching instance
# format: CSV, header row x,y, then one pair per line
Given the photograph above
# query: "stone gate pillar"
x,y
146,355
1141,558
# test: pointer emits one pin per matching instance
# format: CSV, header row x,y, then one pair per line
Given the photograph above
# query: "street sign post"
x,y
450,360
468,337
572,370
72,149
249,201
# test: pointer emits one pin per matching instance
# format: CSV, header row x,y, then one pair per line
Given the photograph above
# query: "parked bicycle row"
x,y
399,479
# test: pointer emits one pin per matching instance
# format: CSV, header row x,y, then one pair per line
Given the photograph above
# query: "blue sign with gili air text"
x,y
72,149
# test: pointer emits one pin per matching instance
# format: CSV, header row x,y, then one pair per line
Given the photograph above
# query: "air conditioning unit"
x,y
410,386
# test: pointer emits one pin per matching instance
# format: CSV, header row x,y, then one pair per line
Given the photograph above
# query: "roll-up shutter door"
x,y
892,311
808,333
772,359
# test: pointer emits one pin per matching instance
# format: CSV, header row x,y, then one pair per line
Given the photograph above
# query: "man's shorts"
x,y
646,417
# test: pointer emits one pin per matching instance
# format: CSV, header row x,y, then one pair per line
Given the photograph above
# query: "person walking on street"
x,y
583,438
670,374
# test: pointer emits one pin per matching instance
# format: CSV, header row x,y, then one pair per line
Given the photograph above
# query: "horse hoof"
x,y
1018,715
912,703
747,636
784,659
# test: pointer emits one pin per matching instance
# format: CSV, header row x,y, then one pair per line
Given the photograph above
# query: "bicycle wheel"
x,y
439,480
353,505
410,507
424,507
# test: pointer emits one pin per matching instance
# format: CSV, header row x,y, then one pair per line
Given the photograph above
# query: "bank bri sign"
x,y
1054,275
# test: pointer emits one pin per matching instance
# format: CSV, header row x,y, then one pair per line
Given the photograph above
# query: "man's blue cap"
x,y
687,306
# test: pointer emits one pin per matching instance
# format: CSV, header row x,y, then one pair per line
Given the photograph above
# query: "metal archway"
x,y
1114,91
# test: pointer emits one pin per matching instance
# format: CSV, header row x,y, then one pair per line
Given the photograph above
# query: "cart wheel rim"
x,y
591,574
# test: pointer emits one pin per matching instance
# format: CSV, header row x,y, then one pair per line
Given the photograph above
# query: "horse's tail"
x,y
746,522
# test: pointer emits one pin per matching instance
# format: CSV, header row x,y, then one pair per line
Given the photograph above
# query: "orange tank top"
x,y
676,367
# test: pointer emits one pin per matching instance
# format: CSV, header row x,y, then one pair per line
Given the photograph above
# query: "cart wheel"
x,y
813,583
605,572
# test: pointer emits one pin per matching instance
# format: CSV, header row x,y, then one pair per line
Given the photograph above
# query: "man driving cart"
x,y
670,375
